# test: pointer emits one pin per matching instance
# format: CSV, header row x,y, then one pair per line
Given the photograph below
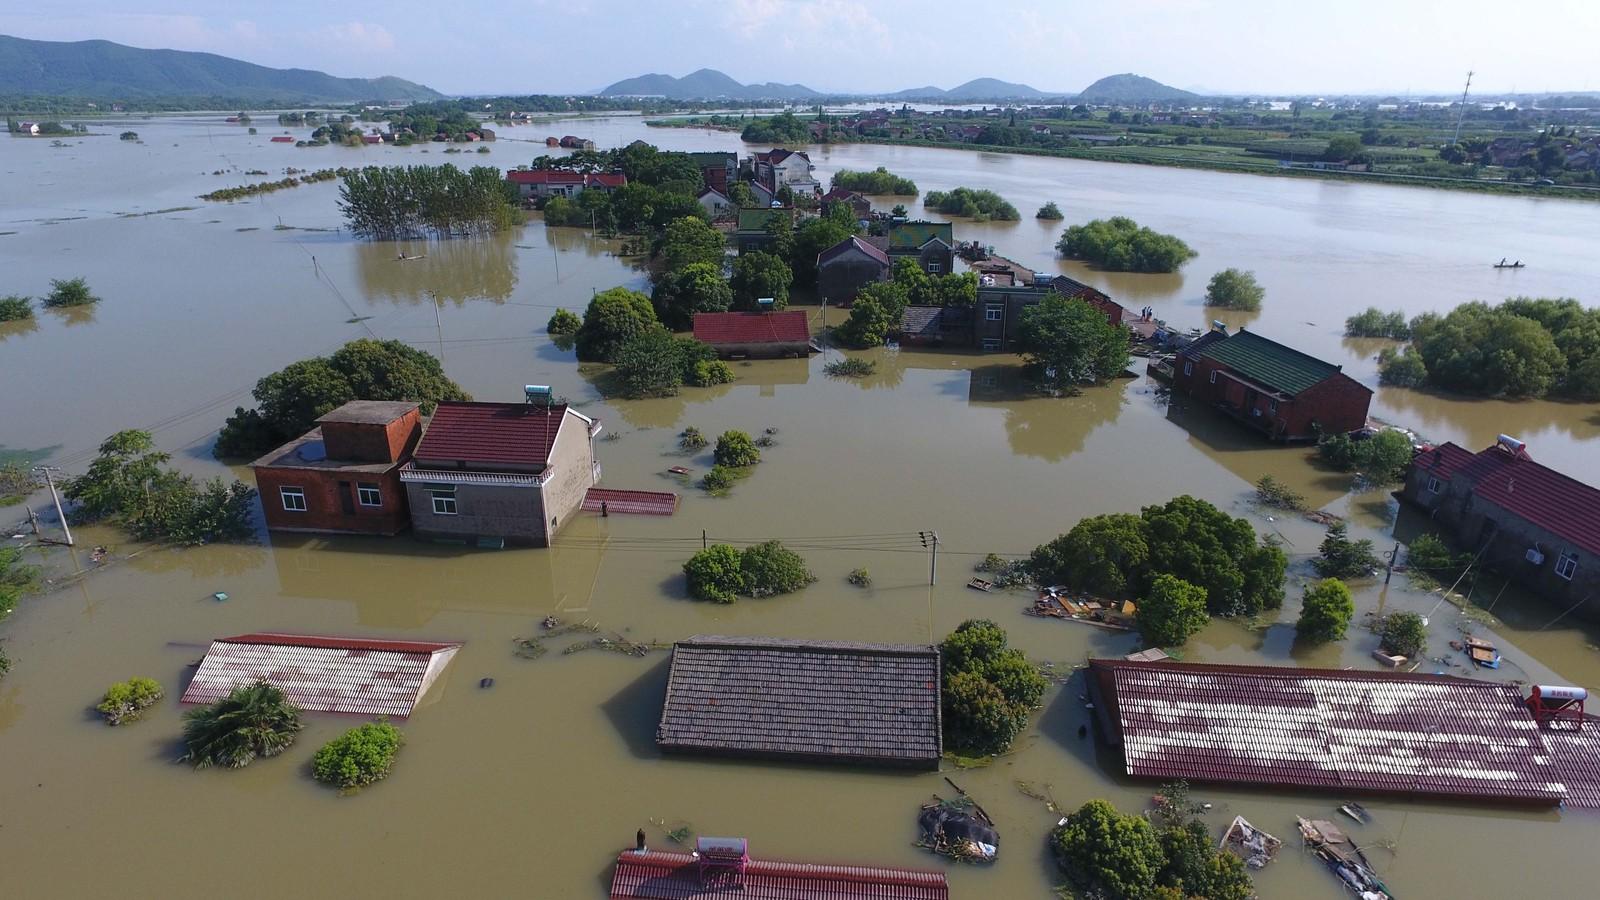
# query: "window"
x,y
369,495
1567,566
991,343
1188,368
993,312
934,268
294,498
444,501
1433,485
1213,376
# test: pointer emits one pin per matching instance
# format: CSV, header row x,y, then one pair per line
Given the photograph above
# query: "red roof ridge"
x,y
1288,672
324,642
784,868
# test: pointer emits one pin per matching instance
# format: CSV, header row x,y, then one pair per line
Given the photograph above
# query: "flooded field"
x,y
532,785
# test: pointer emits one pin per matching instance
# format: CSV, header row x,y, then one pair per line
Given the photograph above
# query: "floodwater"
x,y
531,786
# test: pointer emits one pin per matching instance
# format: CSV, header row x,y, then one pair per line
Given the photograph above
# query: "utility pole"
x,y
49,477
438,326
1462,113
930,539
1394,557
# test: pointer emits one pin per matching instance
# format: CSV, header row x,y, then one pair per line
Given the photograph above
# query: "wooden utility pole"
x,y
49,478
930,539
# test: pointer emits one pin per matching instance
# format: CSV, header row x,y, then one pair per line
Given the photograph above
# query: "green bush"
x,y
719,478
708,372
978,205
16,578
1049,212
14,307
1430,561
850,367
736,450
1272,492
358,757
1401,368
1340,557
691,439
1326,611
1107,853
1119,244
860,578
1171,611
720,573
714,574
878,181
613,318
989,689
5,663
69,292
129,483
1382,458
1235,289
564,322
1403,634
125,700
1374,322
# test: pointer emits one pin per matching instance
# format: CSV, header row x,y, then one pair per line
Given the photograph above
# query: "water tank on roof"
x,y
765,303
1561,692
1510,443
537,393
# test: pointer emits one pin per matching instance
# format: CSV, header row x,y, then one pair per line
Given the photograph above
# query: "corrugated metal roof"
x,y
516,434
1576,755
644,503
323,674
784,327
1270,363
655,875
826,700
1328,729
1539,494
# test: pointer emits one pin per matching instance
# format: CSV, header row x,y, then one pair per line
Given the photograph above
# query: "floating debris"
x,y
957,829
1249,843
1042,793
1356,811
1343,858
535,647
486,682
616,643
678,833
220,596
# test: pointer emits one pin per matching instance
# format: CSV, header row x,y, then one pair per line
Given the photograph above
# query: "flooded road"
x,y
531,786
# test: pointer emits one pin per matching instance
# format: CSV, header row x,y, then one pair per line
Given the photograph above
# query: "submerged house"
x,y
1525,520
718,169
723,867
755,335
363,676
804,701
493,474
931,244
751,232
782,168
848,266
343,476
1277,390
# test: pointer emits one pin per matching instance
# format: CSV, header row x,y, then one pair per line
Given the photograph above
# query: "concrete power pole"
x,y
1462,114
930,539
49,477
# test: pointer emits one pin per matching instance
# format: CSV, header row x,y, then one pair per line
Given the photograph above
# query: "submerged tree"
x,y
253,721
397,202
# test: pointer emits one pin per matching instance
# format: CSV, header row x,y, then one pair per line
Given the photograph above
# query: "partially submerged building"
x,y
1345,731
722,867
343,476
1276,390
493,474
752,232
931,244
1524,520
847,267
804,701
755,335
363,676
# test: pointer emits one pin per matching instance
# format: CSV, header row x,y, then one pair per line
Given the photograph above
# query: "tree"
x,y
689,240
613,318
1049,212
1194,867
736,451
1099,555
741,196
14,307
358,757
253,721
718,478
69,292
649,365
975,715
878,181
1234,289
811,239
1342,148
989,689
978,205
1341,557
1107,852
695,288
1404,634
1119,244
119,477
1478,349
1171,611
393,202
770,568
563,322
874,315
1325,612
1374,322
1403,368
1070,343
1382,458
714,574
1205,546
758,275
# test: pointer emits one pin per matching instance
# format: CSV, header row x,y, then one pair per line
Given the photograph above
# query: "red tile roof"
x,y
643,503
1539,494
657,875
544,176
786,326
324,674
606,179
1328,729
870,250
1444,461
513,434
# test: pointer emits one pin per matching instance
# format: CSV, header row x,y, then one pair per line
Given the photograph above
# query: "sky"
x,y
546,46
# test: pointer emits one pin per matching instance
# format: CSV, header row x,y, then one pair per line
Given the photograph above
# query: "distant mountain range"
x,y
709,84
103,70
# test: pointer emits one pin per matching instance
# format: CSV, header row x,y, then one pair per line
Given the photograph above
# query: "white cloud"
x,y
357,37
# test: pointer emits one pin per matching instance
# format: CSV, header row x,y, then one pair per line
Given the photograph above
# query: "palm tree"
x,y
256,720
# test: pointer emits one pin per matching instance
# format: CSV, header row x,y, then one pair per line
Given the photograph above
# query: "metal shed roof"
x,y
656,875
324,674
1270,363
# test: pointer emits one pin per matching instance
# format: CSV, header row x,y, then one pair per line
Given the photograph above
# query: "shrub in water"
x,y
358,757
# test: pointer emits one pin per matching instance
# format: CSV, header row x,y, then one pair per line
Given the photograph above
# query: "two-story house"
x,y
1277,390
780,168
931,244
342,477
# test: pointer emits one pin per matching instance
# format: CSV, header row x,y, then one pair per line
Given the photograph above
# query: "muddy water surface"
x,y
532,785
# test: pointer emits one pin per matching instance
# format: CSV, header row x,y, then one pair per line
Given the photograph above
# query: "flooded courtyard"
x,y
532,785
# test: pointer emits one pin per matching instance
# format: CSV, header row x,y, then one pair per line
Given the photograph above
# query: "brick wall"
x,y
326,495
373,442
1338,404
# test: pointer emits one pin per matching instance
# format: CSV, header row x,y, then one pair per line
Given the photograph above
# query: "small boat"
x,y
677,470
1502,264
978,584
1249,843
404,258
1356,811
1482,653
1343,858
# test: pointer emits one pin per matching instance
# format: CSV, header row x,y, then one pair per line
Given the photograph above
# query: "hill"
x,y
104,70
704,84
1130,88
974,90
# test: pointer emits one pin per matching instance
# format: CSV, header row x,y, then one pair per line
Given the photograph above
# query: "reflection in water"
x,y
1475,422
1049,428
221,560
19,327
1249,455
72,316
477,268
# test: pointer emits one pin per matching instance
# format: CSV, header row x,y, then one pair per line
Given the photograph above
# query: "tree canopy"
x,y
1235,289
689,240
1325,612
129,484
359,757
989,689
1119,244
694,288
1525,347
395,202
614,317
1115,856
878,181
977,205
758,275
255,720
721,574
1170,611
783,128
1071,343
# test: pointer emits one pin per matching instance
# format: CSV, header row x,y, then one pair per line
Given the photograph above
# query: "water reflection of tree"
x,y
72,316
210,561
656,412
480,268
18,328
889,370
1482,420
1049,428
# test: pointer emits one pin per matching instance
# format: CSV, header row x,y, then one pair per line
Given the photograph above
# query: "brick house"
x,y
751,231
755,335
493,474
846,267
931,244
1285,394
1522,519
860,206
717,169
542,184
342,477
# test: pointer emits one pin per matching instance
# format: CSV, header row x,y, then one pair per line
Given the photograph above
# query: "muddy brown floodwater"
x,y
531,786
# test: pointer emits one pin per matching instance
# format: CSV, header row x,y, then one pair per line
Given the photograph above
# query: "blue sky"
x,y
533,46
